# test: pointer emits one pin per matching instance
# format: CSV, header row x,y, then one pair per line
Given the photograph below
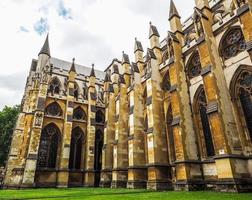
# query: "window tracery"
x,y
233,43
54,87
79,114
76,149
99,117
48,147
194,66
244,93
53,110
202,110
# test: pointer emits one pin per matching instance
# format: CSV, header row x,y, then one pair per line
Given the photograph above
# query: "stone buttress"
x,y
120,151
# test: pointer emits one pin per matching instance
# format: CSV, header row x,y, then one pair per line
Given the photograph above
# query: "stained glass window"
x,y
99,117
233,43
202,106
53,110
54,87
79,114
170,135
194,66
76,149
48,147
244,88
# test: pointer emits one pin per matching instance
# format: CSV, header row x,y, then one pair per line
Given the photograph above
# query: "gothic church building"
x,y
177,118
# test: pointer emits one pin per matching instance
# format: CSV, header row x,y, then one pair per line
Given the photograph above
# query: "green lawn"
x,y
117,194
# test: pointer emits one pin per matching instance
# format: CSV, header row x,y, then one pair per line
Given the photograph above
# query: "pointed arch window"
x,y
79,114
166,82
99,117
243,87
98,149
48,147
165,56
201,106
76,91
170,136
54,87
194,66
232,43
76,149
53,109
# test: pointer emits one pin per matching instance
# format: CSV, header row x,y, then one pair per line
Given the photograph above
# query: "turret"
x,y
175,22
72,71
92,77
138,50
126,68
44,55
154,36
154,42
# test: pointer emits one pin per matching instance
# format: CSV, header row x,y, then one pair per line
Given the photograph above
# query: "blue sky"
x,y
92,31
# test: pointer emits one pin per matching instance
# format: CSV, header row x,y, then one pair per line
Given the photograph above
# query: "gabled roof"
x,y
80,69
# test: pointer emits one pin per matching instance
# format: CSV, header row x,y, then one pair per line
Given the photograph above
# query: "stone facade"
x,y
177,118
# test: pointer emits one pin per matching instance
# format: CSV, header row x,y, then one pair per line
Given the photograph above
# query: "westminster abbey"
x,y
179,117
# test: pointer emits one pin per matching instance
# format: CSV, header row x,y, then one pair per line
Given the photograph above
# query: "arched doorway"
x,y
98,156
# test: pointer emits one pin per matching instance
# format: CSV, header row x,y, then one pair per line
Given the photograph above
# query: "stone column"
x,y
63,174
90,141
109,133
137,173
159,177
188,167
120,151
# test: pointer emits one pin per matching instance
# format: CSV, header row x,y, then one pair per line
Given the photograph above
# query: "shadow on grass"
x,y
78,195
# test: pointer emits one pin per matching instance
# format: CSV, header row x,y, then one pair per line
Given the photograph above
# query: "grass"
x,y
117,194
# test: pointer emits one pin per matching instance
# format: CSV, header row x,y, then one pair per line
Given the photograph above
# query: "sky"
x,y
92,31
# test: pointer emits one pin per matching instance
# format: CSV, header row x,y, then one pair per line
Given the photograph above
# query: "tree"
x,y
8,117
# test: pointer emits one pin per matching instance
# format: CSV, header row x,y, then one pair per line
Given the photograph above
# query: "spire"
x,y
92,73
45,49
153,31
138,45
72,69
173,11
125,58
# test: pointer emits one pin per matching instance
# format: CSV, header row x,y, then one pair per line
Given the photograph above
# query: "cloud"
x,y
63,11
13,82
93,31
23,29
41,26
